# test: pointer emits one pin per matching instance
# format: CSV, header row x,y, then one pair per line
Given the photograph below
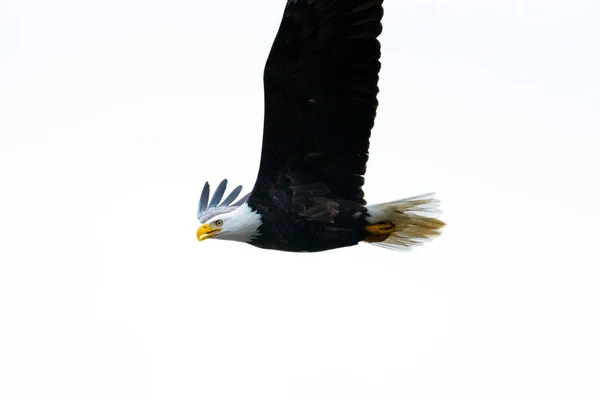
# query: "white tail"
x,y
415,220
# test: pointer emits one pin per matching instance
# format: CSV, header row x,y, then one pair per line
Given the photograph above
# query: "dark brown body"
x,y
315,225
320,103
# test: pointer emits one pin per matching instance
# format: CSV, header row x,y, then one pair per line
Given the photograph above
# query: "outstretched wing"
x,y
207,210
320,99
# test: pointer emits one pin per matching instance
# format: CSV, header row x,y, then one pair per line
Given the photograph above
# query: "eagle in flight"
x,y
320,84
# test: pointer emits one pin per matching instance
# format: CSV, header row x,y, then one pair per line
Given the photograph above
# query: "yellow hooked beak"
x,y
206,231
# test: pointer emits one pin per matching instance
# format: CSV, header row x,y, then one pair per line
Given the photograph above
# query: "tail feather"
x,y
415,219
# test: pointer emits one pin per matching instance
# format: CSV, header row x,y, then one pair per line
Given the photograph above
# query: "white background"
x,y
114,113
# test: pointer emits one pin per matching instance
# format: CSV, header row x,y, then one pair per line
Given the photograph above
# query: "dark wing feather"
x,y
203,203
232,196
320,99
208,210
218,194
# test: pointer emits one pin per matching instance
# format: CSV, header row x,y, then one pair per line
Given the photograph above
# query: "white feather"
x,y
414,218
240,225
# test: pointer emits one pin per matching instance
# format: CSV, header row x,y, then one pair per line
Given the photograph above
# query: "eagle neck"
x,y
245,223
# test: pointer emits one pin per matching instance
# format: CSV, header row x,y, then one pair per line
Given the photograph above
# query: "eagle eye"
x,y
218,222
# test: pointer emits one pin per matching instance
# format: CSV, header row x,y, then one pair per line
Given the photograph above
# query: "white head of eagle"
x,y
320,94
225,220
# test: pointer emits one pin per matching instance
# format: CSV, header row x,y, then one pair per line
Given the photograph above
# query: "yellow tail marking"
x,y
380,231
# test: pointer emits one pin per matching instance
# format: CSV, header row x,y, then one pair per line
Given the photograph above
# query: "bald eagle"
x,y
320,84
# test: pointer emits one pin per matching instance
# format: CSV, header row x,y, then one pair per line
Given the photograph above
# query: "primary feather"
x,y
207,211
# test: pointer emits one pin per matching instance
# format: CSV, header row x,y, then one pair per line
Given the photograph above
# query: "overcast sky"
x,y
113,114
